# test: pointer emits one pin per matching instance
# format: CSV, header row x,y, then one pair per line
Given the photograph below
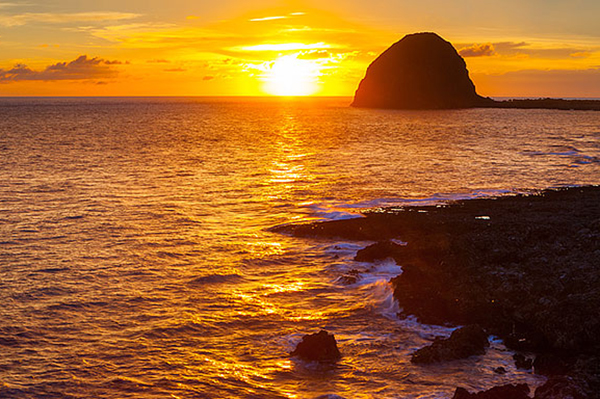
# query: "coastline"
x,y
545,103
523,267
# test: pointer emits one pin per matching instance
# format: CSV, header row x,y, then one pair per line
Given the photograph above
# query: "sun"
x,y
292,76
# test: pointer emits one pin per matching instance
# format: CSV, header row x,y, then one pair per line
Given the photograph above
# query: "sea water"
x,y
136,259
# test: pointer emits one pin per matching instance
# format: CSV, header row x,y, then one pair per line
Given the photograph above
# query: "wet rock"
x,y
320,347
519,391
464,342
502,273
521,362
379,251
526,339
423,292
421,71
350,278
561,387
550,364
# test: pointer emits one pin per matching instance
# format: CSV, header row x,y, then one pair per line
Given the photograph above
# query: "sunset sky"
x,y
295,47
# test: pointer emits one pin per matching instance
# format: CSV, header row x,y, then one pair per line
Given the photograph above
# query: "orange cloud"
x,y
313,55
82,68
581,54
57,18
478,50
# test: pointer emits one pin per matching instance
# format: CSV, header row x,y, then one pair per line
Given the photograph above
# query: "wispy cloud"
x,y
61,18
7,5
478,50
268,18
82,68
314,55
277,17
284,47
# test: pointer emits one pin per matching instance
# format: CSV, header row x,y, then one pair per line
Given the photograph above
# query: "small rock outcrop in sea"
x,y
519,391
320,347
421,71
464,342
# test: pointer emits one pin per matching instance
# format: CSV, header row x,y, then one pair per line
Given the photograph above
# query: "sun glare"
x,y
291,76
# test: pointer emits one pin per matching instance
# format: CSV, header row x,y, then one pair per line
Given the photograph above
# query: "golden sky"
x,y
293,47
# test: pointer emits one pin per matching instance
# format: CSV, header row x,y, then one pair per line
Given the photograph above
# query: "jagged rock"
x,y
561,387
350,278
464,342
550,364
522,362
379,251
421,71
501,273
519,391
526,339
320,347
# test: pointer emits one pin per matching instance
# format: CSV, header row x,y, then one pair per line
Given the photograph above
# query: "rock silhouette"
x,y
319,347
424,71
464,342
518,391
421,71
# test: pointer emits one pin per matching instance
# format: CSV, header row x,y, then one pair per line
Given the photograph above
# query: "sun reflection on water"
x,y
166,273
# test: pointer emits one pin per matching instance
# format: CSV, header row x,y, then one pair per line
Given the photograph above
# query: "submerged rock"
x,y
320,347
421,71
519,391
464,342
350,278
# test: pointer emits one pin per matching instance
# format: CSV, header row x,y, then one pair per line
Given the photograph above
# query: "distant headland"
x,y
424,71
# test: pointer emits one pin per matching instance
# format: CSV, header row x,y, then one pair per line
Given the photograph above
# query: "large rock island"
x,y
421,71
424,71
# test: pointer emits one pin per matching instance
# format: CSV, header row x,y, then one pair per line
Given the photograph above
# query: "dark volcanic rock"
x,y
464,342
522,362
421,71
550,364
561,387
528,274
318,347
379,251
519,391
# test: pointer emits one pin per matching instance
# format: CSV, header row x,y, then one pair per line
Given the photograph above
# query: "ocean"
x,y
137,260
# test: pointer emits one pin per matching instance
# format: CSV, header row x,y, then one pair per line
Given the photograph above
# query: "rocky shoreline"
x,y
525,268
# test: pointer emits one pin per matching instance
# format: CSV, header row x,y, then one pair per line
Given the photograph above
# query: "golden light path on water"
x,y
137,260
